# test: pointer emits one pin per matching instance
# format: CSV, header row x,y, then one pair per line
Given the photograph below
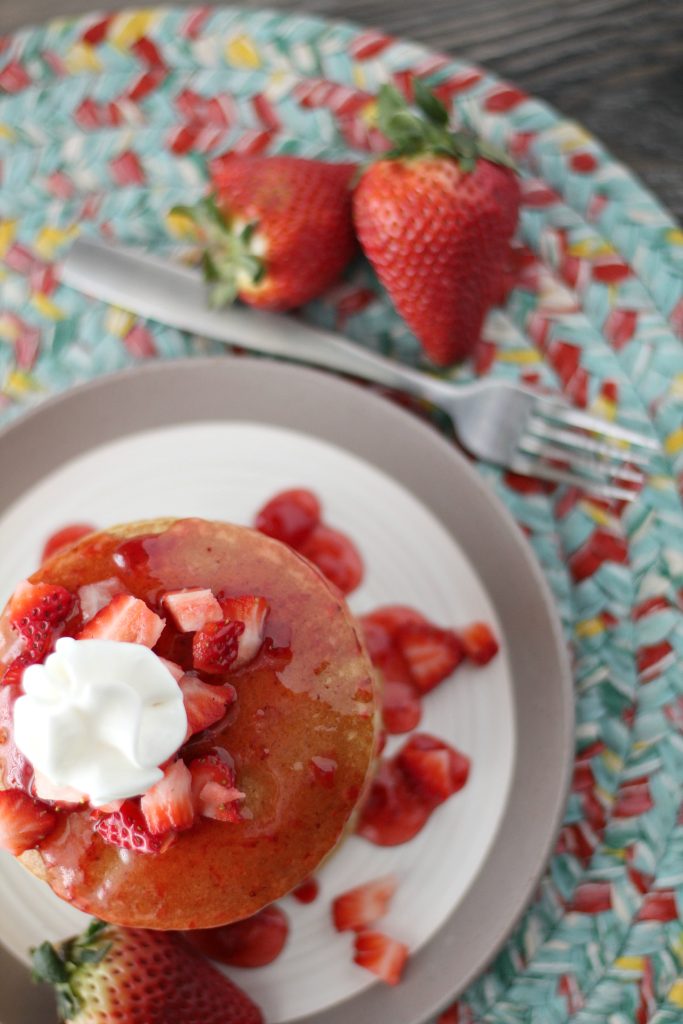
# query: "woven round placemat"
x,y
107,122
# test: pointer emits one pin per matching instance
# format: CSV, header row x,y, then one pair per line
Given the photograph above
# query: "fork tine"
x,y
541,428
527,465
560,413
599,471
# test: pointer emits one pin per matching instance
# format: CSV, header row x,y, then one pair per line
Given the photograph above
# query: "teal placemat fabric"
x,y
107,122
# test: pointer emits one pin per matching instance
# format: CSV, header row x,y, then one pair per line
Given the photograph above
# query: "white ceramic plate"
x,y
126,448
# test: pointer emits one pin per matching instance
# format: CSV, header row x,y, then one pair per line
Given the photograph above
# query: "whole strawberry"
x,y
277,232
114,975
434,217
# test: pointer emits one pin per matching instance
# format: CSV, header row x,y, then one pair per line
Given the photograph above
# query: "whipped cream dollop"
x,y
100,716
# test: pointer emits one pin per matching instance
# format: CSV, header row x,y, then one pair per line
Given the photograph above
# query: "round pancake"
x,y
302,733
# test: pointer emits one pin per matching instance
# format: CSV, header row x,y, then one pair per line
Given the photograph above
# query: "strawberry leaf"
x,y
389,102
222,294
68,1003
95,928
93,954
494,154
48,966
426,130
429,104
209,267
228,255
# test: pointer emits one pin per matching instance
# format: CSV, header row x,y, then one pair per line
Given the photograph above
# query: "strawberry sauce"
x,y
64,538
307,892
408,787
254,942
295,518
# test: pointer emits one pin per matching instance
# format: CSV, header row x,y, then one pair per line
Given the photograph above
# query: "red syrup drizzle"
x,y
254,942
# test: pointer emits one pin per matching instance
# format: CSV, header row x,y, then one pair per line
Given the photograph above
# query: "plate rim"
x,y
161,386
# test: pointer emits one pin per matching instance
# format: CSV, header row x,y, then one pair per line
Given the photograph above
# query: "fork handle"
x,y
172,294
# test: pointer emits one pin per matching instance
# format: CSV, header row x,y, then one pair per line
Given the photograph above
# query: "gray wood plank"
x,y
614,65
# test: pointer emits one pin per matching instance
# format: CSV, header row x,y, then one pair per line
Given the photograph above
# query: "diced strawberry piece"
x,y
252,611
192,609
38,613
204,704
37,603
479,643
432,653
44,789
382,955
111,808
401,707
378,639
127,829
24,822
95,596
168,804
437,769
363,905
213,788
335,555
64,538
216,646
15,670
126,619
400,700
290,516
393,811
220,803
176,670
16,772
394,617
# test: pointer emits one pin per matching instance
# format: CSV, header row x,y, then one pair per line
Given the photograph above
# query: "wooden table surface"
x,y
614,65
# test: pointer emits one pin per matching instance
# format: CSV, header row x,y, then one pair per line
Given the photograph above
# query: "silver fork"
x,y
503,423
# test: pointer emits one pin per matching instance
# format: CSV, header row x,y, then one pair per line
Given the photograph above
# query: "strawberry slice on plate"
x,y
335,555
363,905
253,942
393,617
478,642
126,619
401,707
24,822
434,767
382,955
432,653
290,516
168,804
